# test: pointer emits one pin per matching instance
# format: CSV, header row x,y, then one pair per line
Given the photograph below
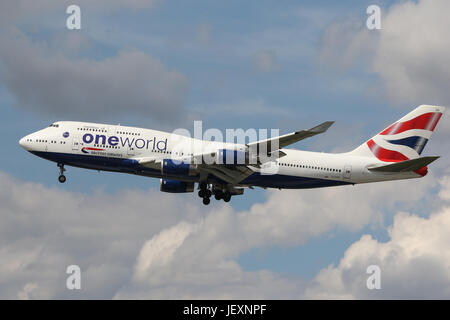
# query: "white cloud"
x,y
17,11
147,244
444,194
413,51
344,44
410,52
27,290
159,251
131,82
44,230
201,261
414,263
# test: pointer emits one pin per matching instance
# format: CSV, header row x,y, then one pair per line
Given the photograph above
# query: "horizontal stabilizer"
x,y
405,166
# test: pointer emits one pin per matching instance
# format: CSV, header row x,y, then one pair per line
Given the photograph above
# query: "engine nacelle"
x,y
176,186
232,157
177,167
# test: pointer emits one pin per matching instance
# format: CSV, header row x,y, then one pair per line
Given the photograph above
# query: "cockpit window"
x,y
54,125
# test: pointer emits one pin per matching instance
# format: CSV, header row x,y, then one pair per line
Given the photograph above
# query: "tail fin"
x,y
404,139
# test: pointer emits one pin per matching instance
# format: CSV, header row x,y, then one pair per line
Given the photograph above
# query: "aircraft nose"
x,y
23,143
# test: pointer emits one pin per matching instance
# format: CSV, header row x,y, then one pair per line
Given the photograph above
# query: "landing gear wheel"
x,y
62,177
203,190
206,201
227,196
218,196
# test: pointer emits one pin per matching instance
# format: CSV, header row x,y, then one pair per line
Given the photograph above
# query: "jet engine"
x,y
176,186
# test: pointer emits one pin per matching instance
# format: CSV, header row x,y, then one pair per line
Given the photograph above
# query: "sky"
x,y
164,64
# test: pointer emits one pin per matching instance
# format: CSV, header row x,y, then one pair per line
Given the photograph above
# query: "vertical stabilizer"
x,y
404,139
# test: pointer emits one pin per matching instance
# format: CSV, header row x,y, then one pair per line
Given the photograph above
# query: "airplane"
x,y
226,169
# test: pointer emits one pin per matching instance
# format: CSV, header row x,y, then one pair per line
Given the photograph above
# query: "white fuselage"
x,y
109,147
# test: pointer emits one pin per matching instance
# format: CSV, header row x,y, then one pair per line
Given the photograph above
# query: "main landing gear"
x,y
62,177
222,195
205,192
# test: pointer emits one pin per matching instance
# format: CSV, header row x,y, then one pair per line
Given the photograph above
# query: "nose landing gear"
x,y
62,177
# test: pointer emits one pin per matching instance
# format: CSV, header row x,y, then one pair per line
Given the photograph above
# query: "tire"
x,y
218,196
227,197
62,178
201,193
208,193
206,201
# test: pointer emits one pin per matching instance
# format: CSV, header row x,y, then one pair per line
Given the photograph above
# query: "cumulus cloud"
x,y
444,194
44,230
53,76
409,54
12,11
130,82
345,43
413,51
414,263
145,244
201,257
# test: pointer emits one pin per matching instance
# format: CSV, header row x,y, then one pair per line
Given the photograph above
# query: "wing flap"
x,y
232,175
150,162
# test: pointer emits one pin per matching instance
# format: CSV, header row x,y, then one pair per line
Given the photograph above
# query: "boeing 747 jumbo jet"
x,y
225,169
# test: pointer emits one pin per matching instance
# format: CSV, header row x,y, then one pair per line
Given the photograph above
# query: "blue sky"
x,y
236,32
252,64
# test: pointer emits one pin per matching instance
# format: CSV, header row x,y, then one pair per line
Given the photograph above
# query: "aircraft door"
x,y
130,151
75,144
347,172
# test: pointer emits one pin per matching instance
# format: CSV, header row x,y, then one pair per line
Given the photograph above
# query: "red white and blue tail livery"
x,y
406,138
225,169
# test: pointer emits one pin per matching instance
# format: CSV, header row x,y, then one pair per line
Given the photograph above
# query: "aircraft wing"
x,y
231,175
150,162
290,138
235,174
